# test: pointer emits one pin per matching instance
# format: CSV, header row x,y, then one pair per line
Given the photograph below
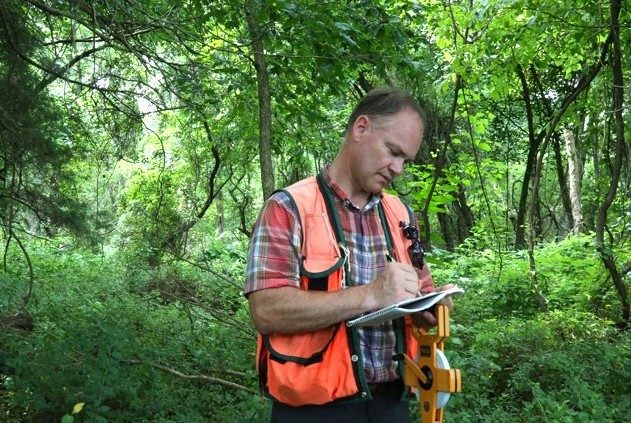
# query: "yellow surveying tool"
x,y
430,373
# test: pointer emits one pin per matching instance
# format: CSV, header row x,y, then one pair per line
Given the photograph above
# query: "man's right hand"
x,y
397,282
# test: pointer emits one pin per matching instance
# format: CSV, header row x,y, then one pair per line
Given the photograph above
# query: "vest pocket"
x,y
305,349
325,274
309,368
320,270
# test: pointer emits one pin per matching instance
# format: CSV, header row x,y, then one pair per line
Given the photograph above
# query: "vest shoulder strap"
x,y
309,200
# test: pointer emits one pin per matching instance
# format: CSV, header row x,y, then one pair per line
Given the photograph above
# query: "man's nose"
x,y
396,167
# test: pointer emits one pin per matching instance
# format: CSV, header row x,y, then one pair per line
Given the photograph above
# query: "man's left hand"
x,y
426,319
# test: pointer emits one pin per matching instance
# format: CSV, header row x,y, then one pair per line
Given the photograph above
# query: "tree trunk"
x,y
534,282
441,160
565,196
532,233
533,146
466,219
220,219
520,221
574,182
265,108
446,230
606,255
563,183
584,82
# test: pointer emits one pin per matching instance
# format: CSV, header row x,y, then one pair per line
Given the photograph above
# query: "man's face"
x,y
384,146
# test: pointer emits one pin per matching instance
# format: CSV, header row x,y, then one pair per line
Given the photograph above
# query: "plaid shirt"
x,y
275,255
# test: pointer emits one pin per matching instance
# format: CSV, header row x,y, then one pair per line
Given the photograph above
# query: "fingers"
x,y
397,282
402,269
403,277
447,301
445,287
424,319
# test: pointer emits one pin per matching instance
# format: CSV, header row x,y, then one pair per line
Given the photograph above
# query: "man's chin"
x,y
378,188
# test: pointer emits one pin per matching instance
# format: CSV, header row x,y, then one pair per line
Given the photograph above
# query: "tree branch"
x,y
192,377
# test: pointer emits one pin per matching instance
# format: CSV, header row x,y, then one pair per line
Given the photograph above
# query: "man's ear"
x,y
361,126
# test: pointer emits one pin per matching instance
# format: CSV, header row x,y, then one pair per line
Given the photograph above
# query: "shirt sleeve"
x,y
274,254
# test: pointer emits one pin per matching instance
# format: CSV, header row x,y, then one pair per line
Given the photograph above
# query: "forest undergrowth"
x,y
111,340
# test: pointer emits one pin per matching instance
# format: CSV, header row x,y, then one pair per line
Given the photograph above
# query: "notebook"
x,y
394,311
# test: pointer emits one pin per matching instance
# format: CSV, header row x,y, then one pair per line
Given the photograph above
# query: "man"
x,y
328,249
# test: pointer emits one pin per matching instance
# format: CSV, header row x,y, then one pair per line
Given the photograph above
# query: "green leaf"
x,y
78,407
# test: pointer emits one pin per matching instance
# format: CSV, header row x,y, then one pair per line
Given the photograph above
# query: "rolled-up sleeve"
x,y
274,255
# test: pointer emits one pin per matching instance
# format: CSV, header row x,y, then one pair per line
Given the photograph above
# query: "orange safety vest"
x,y
326,365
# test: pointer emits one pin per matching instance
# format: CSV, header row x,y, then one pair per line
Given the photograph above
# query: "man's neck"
x,y
340,174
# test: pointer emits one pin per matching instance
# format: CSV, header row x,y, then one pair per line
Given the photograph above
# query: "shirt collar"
x,y
343,196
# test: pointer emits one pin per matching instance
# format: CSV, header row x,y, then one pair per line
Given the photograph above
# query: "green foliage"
x,y
102,328
150,214
129,118
519,364
37,179
560,367
96,342
421,184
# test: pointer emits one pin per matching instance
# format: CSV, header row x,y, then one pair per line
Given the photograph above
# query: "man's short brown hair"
x,y
384,101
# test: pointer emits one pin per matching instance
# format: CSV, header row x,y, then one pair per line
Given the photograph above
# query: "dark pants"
x,y
385,407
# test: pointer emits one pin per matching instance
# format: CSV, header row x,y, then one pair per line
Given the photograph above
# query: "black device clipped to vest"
x,y
416,252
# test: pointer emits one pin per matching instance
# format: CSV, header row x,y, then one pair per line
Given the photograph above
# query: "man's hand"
x,y
397,282
426,319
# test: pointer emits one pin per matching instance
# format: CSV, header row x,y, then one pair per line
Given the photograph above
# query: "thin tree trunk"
x,y
220,219
265,108
441,160
563,183
534,280
534,219
584,82
533,146
573,181
556,146
606,255
445,229
466,219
